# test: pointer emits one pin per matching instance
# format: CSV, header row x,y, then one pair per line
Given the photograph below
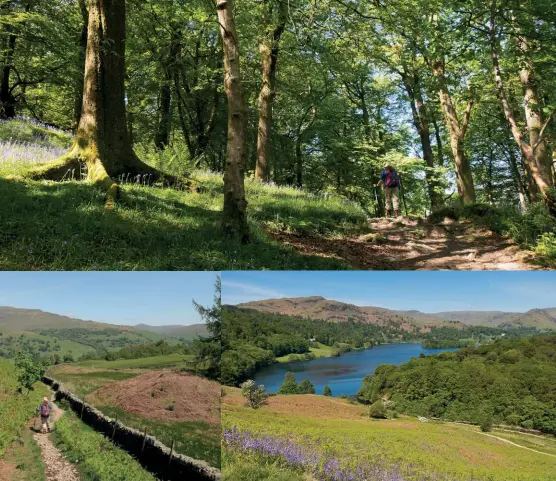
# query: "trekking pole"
x,y
403,194
377,206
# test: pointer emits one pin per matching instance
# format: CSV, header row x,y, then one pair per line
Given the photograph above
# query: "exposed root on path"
x,y
410,243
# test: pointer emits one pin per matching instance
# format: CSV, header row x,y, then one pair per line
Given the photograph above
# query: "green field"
x,y
95,457
169,360
335,429
320,351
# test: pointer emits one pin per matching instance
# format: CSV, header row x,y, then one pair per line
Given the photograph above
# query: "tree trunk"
x,y
457,131
162,136
420,120
534,153
7,100
78,102
269,56
234,220
102,141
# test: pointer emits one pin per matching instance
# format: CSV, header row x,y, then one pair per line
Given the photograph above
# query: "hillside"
x,y
45,334
334,311
253,338
184,332
317,307
282,440
509,381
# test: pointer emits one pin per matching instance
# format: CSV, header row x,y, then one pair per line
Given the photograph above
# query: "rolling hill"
x,y
317,307
45,334
184,332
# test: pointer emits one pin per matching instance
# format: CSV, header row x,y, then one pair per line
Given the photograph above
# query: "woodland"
x,y
507,382
251,339
318,95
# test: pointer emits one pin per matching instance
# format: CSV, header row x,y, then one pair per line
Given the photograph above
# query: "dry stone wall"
x,y
152,454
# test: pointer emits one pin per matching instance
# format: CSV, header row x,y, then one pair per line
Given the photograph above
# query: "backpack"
x,y
45,410
392,179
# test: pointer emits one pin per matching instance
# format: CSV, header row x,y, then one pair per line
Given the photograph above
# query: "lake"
x,y
343,374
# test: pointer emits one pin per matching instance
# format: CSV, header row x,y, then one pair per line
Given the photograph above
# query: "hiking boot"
x,y
388,213
396,213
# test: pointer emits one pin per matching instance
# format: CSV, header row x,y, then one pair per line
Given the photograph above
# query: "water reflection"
x,y
343,374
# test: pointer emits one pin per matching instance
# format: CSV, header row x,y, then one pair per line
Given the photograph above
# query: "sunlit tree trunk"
x,y
269,49
102,140
234,221
421,122
534,152
457,131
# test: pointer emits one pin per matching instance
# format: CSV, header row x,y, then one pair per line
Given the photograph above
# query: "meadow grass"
x,y
320,351
95,457
64,226
167,360
195,439
15,409
245,466
25,455
413,450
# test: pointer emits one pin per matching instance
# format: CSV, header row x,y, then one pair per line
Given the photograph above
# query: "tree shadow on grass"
x,y
64,226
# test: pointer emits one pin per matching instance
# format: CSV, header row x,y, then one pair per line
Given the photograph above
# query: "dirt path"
x,y
56,467
515,444
417,244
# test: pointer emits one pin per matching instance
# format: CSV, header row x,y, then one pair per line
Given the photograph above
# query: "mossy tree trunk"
x,y
234,221
78,102
102,140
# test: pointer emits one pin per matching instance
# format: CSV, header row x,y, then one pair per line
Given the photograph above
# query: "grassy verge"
x,y
338,432
25,455
64,226
195,439
238,466
15,409
96,458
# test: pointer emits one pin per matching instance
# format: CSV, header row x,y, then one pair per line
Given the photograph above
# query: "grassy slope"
x,y
17,446
432,449
97,459
168,360
59,226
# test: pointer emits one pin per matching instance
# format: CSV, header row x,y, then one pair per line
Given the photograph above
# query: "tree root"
x,y
64,168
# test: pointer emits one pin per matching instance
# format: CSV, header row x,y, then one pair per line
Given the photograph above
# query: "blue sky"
x,y
127,298
424,291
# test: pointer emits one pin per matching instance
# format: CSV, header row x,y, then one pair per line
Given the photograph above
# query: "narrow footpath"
x,y
56,467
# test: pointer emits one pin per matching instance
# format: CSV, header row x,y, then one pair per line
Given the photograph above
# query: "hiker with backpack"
x,y
391,181
44,410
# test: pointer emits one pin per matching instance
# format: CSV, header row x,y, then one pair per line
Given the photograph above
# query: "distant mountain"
x,y
539,318
317,307
320,308
185,332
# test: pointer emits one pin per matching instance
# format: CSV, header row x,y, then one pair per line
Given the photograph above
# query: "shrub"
x,y
486,423
254,395
378,411
290,385
306,387
327,391
29,373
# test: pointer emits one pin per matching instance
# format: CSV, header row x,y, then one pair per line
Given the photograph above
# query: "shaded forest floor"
x,y
64,226
418,244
